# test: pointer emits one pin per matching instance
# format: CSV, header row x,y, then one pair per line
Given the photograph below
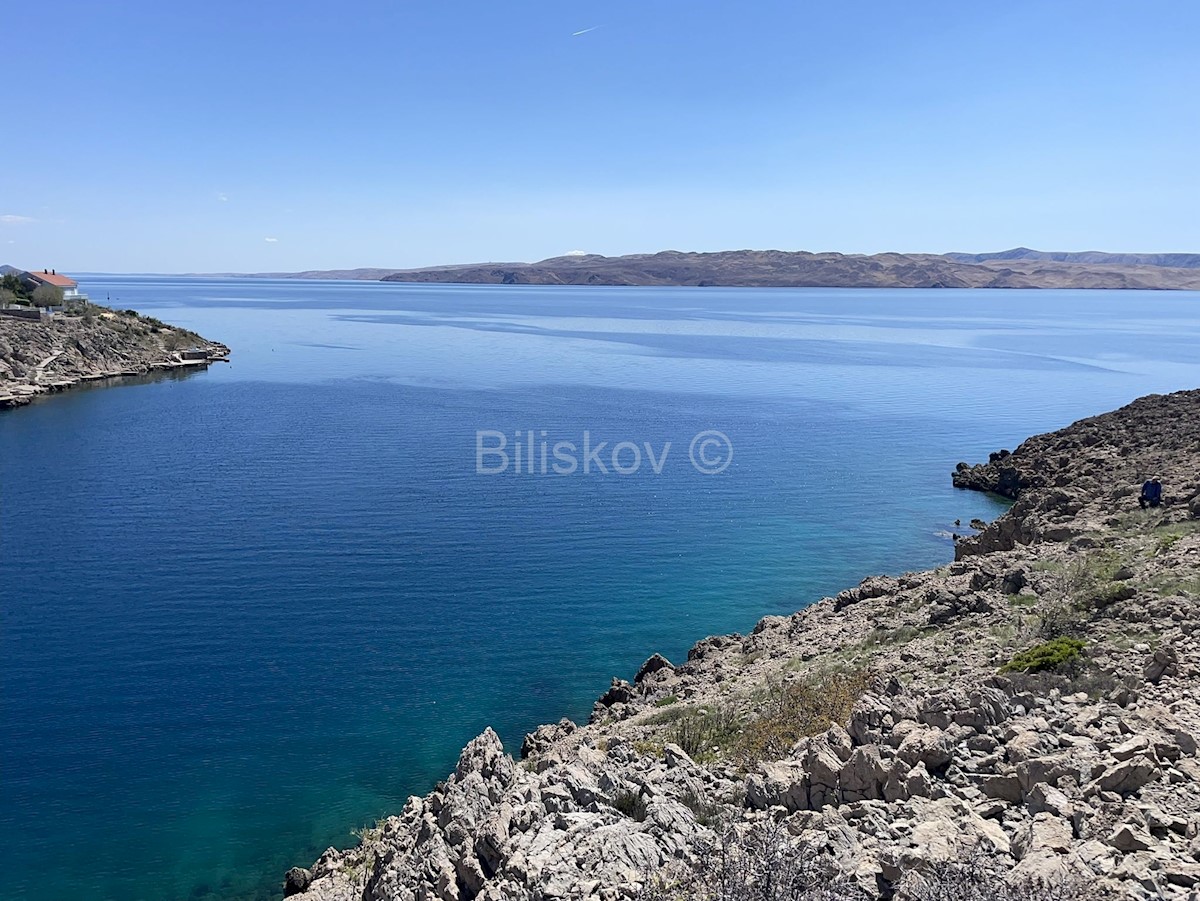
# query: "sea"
x,y
248,610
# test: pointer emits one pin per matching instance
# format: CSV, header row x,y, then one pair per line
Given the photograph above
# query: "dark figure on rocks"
x,y
1151,494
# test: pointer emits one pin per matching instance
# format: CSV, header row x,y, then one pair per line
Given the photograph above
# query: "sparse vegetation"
x,y
668,714
630,804
648,747
766,864
802,708
707,813
706,733
1186,585
881,637
1075,591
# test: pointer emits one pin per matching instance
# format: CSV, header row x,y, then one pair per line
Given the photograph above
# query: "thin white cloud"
x,y
223,197
576,34
575,253
11,219
271,240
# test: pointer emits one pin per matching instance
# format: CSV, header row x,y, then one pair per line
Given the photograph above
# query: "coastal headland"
x,y
1020,723
44,354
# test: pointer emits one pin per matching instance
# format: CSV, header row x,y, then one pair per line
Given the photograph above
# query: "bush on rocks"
x,y
1049,655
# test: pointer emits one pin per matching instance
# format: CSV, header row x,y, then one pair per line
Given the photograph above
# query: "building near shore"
x,y
68,286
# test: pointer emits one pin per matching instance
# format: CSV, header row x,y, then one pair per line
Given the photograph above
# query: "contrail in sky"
x,y
576,34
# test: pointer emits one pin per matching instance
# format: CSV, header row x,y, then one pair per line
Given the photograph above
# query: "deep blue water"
x,y
249,610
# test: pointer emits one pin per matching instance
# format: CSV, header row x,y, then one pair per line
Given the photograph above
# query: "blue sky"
x,y
220,136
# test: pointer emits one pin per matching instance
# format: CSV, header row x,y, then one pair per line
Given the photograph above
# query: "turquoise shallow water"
x,y
248,610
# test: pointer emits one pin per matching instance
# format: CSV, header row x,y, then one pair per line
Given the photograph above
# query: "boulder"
x,y
932,747
863,775
868,720
544,736
1129,776
1044,798
1127,838
619,692
675,756
1134,746
1005,787
917,783
296,880
1163,662
653,664
1045,832
780,784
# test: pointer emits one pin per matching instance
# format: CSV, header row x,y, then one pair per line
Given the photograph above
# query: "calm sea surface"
x,y
247,611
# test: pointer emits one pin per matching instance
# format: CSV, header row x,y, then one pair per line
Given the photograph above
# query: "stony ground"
x,y
37,357
876,741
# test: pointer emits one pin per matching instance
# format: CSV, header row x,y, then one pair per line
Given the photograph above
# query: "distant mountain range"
x,y
1018,268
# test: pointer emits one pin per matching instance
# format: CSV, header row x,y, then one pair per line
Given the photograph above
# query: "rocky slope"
x,y
39,356
1020,723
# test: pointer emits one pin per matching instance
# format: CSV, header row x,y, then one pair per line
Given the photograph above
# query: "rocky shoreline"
x,y
42,356
1021,723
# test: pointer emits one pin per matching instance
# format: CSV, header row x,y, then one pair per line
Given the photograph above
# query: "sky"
x,y
217,136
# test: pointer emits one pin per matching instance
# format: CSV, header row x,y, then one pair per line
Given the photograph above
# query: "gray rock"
x,y
675,756
545,736
653,664
863,775
1047,799
1136,745
1006,787
1129,776
917,783
931,747
1126,838
1045,832
1163,662
296,880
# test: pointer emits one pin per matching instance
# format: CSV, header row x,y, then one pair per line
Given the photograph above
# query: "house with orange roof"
x,y
68,286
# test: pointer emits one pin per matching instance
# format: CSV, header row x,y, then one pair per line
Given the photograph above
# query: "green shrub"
x,y
1049,655
667,701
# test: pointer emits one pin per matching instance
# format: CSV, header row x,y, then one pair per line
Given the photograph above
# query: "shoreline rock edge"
x,y
1080,771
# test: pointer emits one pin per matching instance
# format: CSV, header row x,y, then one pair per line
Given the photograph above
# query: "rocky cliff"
x,y
39,356
1021,723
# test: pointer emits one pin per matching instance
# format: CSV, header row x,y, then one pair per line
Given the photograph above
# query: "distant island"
x,y
1017,268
